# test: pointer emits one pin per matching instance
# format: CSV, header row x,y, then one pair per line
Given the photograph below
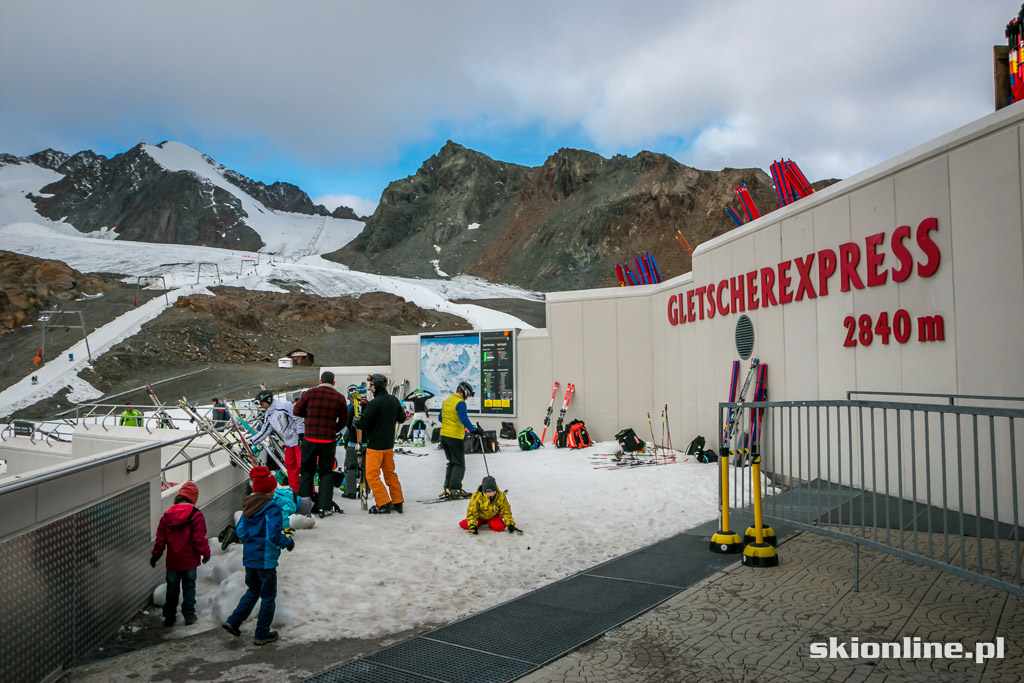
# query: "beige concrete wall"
x,y
626,359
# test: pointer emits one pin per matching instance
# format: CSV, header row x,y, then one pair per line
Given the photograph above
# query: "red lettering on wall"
x,y
700,301
737,298
752,290
929,247
805,286
826,268
711,300
689,307
874,259
902,254
849,257
673,314
785,296
768,287
723,308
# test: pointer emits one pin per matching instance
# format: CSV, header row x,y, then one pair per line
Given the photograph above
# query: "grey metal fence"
x,y
935,484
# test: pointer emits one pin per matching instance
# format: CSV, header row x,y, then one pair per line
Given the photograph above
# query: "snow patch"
x,y
437,267
82,391
473,226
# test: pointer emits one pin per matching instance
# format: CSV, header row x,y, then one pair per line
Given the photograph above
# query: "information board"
x,y
485,359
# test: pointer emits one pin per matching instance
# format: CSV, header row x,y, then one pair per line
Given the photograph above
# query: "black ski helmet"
x,y
466,389
265,396
378,381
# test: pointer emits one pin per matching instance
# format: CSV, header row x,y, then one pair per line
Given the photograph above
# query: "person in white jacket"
x,y
278,417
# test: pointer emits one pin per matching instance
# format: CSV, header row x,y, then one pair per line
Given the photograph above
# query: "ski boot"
x,y
384,509
459,494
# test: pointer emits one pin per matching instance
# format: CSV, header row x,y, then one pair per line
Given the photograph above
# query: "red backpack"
x,y
577,435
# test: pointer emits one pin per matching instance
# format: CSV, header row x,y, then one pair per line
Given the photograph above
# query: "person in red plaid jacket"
x,y
325,412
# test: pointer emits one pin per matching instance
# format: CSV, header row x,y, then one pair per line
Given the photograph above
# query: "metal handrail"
x,y
950,397
17,485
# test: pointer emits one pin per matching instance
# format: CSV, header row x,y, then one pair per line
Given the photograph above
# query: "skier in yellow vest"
x,y
454,425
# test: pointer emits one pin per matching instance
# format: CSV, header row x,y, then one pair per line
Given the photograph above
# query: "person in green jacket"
x,y
131,417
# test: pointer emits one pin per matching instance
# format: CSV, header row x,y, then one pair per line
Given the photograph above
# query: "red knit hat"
x,y
262,480
190,491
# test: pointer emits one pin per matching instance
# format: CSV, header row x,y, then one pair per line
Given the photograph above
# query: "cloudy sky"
x,y
341,97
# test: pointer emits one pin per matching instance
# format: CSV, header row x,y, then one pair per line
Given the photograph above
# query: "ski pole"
x,y
668,433
653,442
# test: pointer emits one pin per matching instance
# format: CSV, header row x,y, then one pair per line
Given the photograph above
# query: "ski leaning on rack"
x,y
570,389
237,459
161,412
547,418
364,488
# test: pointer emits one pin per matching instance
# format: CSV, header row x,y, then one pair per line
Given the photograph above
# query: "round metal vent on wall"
x,y
744,337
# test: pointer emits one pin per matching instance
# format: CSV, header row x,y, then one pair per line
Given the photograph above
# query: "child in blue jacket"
x,y
259,529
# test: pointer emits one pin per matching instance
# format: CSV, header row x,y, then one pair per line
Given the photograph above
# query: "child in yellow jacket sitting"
x,y
489,505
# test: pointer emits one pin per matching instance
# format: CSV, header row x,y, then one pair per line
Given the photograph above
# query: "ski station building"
x,y
888,309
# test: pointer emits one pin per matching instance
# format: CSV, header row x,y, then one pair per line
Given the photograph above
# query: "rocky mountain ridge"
x,y
143,201
561,225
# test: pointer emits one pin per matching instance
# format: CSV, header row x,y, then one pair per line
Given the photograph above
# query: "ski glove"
x,y
152,561
478,430
206,559
472,531
291,545
513,530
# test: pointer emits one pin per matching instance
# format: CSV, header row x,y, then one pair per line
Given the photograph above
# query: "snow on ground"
x,y
282,232
16,181
358,575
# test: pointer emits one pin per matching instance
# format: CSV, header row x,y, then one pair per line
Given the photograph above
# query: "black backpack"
x,y
435,435
508,430
528,440
696,446
629,442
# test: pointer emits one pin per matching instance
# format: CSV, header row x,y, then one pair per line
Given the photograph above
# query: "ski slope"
x,y
186,269
282,232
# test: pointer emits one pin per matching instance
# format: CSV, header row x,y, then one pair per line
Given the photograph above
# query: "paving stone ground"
x,y
747,624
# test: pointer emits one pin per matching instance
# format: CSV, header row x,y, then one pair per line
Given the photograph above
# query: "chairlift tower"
x,y
52,319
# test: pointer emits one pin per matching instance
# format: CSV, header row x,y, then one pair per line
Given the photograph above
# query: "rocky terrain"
x,y
561,225
29,285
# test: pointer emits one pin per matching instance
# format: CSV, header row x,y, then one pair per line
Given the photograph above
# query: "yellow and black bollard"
x,y
760,553
725,541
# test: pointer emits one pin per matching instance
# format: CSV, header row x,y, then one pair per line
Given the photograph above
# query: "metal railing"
x,y
11,484
934,484
951,399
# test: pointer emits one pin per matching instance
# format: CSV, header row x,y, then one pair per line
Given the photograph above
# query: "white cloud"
x,y
355,83
361,205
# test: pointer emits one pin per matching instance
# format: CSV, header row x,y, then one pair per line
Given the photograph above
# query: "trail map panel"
x,y
485,359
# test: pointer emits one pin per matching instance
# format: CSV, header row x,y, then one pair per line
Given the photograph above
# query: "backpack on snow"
x,y
696,446
629,442
508,430
435,435
528,440
577,436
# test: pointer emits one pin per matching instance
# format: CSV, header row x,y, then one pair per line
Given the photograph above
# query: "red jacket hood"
x,y
178,515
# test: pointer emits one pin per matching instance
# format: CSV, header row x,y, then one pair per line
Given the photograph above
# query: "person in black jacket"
x,y
378,420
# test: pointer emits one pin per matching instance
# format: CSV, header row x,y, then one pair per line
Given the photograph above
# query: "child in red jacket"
x,y
182,531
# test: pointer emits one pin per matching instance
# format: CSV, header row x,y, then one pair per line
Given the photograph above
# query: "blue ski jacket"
x,y
259,529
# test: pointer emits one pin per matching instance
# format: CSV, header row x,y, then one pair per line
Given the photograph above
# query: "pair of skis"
x,y
570,389
364,488
732,436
